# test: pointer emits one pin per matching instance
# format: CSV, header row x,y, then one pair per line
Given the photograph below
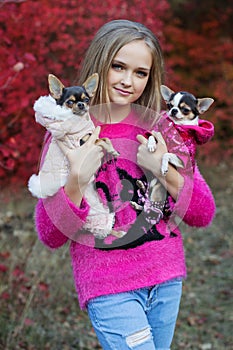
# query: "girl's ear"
x,y
166,92
55,86
91,84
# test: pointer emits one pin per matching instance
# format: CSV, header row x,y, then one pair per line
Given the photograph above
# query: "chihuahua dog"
x,y
65,114
184,108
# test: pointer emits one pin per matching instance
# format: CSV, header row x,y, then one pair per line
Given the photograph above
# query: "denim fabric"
x,y
143,319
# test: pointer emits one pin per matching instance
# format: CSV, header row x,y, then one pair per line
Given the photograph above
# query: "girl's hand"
x,y
84,162
151,160
173,181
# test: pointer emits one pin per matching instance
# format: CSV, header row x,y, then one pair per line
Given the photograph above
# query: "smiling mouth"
x,y
123,92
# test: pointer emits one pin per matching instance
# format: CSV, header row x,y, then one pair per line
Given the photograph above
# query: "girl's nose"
x,y
127,79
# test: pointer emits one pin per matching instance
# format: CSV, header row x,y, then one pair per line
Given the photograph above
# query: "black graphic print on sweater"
x,y
141,230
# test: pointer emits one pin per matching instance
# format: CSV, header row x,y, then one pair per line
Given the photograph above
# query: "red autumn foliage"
x,y
3,268
42,37
200,60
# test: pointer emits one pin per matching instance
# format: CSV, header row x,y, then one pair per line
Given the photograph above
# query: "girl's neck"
x,y
118,112
110,113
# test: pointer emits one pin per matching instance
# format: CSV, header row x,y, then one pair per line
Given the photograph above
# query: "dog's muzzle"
x,y
173,112
80,108
81,105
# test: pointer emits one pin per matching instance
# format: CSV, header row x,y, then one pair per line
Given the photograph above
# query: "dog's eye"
x,y
169,105
185,110
69,103
86,100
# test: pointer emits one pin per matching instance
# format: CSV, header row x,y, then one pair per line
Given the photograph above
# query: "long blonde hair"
x,y
110,38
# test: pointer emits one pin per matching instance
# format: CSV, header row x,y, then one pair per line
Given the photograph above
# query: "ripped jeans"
x,y
143,319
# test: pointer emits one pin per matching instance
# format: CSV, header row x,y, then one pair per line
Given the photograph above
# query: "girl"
x,y
130,286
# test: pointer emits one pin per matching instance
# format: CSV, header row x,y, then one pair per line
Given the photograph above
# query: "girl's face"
x,y
129,73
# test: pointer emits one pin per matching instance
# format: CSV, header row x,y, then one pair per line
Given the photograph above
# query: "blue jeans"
x,y
143,319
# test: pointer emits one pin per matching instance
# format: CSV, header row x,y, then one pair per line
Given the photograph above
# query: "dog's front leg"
x,y
151,144
118,234
107,145
136,206
142,193
170,158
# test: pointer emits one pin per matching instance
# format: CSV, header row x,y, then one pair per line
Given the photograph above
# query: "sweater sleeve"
x,y
196,204
57,219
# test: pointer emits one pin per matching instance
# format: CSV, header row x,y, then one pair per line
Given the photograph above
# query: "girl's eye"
x,y
142,74
117,66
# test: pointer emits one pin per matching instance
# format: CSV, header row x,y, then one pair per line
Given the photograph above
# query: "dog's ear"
x,y
91,84
166,92
55,86
203,104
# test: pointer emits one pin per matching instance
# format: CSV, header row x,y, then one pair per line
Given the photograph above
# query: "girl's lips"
x,y
123,92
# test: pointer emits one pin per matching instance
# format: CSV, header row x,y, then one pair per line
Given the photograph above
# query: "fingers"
x,y
158,136
142,139
94,136
161,144
92,139
159,147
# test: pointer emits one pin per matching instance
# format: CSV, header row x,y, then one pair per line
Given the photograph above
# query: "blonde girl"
x,y
130,286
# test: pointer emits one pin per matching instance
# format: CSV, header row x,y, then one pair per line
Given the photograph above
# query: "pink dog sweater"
x,y
190,135
110,266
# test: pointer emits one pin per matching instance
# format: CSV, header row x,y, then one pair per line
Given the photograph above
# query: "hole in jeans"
x,y
138,337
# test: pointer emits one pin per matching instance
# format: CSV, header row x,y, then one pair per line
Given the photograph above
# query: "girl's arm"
x,y
196,204
57,219
60,217
194,201
84,162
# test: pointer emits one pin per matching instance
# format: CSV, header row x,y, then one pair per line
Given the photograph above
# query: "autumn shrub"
x,y
41,37
199,60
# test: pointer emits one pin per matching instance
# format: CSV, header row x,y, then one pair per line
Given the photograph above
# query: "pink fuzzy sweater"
x,y
146,255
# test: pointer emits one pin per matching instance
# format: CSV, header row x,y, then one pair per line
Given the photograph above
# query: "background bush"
x,y
42,37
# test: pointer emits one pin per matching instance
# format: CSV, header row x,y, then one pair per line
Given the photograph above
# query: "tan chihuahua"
x,y
65,114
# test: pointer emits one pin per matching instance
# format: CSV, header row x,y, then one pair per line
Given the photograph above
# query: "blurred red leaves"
x,y
42,37
3,268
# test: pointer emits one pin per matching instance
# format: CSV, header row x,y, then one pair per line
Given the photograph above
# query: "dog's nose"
x,y
81,105
174,112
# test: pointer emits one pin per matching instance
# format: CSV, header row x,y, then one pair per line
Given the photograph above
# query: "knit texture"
x,y
160,258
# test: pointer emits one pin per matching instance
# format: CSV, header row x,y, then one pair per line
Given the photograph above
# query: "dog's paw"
x,y
151,144
170,158
115,153
175,160
141,186
164,171
164,166
106,144
118,234
136,206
